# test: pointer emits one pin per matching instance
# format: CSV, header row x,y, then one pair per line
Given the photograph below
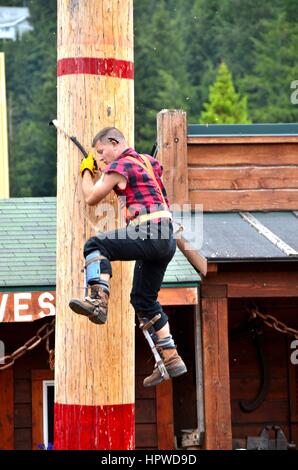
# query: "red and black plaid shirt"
x,y
140,195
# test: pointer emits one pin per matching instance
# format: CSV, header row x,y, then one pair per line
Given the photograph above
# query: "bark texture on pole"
x,y
94,366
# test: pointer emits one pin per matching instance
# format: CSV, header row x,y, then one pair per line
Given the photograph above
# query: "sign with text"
x,y
26,306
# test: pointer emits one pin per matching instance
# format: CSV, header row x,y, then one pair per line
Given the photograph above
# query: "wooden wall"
x,y
245,375
227,173
280,406
184,387
15,335
146,429
155,428
6,410
252,173
17,410
155,407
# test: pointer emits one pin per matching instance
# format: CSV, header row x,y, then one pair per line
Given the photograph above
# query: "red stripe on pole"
x,y
107,427
95,66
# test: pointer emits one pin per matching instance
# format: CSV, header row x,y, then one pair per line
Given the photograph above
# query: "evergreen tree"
x,y
31,89
203,48
225,105
275,68
224,30
178,46
161,79
242,24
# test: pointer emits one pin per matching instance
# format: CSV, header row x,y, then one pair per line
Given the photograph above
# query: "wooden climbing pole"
x,y
94,364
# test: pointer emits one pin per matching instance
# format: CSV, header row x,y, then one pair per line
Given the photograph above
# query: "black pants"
x,y
152,246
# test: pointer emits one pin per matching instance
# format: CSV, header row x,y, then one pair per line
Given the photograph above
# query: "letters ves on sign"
x,y
26,306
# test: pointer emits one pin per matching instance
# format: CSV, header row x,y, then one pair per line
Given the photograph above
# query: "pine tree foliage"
x,y
268,85
225,105
178,46
31,95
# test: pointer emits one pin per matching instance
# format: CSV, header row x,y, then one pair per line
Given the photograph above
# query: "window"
x,y
42,408
48,412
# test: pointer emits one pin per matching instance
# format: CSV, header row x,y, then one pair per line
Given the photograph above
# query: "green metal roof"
x,y
179,270
242,130
28,246
27,242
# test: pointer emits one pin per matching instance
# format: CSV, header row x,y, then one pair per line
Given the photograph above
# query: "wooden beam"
x,y
246,200
178,296
254,139
255,284
213,291
275,154
94,373
223,177
212,268
218,433
6,409
172,153
199,367
165,416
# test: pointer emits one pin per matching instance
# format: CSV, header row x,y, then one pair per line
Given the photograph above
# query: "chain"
x,y
51,352
44,332
274,323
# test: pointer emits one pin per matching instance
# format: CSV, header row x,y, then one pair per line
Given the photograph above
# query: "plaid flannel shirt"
x,y
140,195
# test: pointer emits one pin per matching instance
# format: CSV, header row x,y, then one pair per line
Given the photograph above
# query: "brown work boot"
x,y
173,363
94,307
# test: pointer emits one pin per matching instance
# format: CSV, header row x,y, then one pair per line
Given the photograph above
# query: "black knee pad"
x,y
160,323
105,267
93,244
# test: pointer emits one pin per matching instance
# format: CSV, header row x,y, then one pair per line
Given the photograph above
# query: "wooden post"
x,y
218,433
7,409
4,173
165,416
199,373
172,153
94,366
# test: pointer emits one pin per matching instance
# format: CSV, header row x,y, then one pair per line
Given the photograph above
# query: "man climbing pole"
x,y
147,238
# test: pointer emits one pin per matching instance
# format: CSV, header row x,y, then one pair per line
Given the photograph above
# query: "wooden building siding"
x,y
184,387
228,172
163,411
145,419
273,287
21,412
156,407
228,175
6,410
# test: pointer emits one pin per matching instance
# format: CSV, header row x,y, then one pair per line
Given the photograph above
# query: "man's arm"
x,y
94,193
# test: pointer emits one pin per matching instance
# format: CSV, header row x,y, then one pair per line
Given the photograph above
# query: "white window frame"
x,y
45,385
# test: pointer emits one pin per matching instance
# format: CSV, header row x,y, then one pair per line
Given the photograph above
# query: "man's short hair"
x,y
108,134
